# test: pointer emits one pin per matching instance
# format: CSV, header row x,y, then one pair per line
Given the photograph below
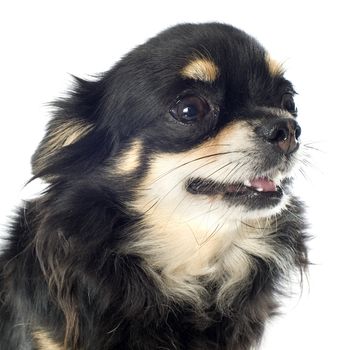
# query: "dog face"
x,y
221,133
196,132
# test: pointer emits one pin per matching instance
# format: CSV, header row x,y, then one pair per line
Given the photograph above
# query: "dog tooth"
x,y
259,189
247,183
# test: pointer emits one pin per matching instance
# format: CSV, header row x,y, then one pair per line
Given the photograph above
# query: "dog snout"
x,y
283,133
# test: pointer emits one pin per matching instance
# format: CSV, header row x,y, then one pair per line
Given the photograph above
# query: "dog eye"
x,y
288,103
189,109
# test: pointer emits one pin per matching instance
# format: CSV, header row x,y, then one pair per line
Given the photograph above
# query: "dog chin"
x,y
264,212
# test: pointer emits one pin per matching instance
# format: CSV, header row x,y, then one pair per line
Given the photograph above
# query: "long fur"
x,y
91,263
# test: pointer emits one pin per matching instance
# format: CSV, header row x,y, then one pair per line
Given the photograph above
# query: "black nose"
x,y
284,133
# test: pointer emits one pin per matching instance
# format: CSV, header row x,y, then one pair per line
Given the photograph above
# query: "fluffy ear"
x,y
74,142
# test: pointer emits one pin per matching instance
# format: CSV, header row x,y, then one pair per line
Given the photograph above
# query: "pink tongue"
x,y
265,184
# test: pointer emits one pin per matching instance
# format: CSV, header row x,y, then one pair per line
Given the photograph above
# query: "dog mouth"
x,y
257,192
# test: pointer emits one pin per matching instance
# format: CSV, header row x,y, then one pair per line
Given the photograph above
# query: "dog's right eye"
x,y
190,109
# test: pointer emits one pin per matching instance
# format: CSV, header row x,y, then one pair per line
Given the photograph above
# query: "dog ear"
x,y
75,142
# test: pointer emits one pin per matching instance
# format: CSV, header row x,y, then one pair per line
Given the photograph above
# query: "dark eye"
x,y
288,103
190,109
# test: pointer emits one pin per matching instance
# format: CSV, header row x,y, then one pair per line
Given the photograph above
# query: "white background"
x,y
43,41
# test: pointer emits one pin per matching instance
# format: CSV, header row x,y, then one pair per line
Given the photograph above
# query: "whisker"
x,y
181,180
217,170
237,167
310,146
251,226
184,197
195,160
313,148
291,213
306,162
232,171
187,175
152,206
210,235
216,229
193,234
302,172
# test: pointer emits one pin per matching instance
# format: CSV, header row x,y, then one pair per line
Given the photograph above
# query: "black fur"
x,y
64,269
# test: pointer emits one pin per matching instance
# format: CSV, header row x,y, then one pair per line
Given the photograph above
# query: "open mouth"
x,y
259,191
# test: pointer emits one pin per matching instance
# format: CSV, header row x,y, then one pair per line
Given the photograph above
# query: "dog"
x,y
168,220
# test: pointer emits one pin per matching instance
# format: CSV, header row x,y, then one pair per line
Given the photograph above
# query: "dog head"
x,y
195,131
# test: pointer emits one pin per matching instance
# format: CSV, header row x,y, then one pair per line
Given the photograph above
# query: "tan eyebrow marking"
x,y
275,67
201,69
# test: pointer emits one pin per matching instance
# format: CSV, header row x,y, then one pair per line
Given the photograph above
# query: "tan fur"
x,y
189,236
201,69
45,342
66,134
61,135
274,66
130,160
